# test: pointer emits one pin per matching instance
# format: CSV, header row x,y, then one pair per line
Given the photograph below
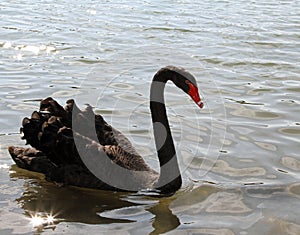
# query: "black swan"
x,y
67,152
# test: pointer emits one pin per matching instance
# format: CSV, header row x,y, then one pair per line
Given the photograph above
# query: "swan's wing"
x,y
52,131
106,134
106,159
124,142
115,144
41,130
113,159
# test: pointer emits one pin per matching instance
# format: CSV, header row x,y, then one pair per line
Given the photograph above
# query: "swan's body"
x,y
68,150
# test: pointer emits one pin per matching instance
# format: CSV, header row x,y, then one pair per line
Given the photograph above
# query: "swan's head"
x,y
187,82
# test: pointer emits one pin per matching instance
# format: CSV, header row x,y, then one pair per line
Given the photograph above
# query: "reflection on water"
x,y
66,203
47,205
204,209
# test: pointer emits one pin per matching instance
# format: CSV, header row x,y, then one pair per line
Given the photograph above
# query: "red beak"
x,y
194,94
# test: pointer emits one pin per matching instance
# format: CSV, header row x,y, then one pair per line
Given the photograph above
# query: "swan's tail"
x,y
71,174
31,159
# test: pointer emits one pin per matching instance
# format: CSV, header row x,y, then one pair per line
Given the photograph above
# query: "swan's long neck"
x,y
170,177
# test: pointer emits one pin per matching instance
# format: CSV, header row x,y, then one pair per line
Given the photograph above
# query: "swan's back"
x,y
51,134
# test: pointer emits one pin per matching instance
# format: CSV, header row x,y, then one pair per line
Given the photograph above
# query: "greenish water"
x,y
239,156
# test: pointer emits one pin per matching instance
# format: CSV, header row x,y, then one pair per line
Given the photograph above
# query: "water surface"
x,y
239,156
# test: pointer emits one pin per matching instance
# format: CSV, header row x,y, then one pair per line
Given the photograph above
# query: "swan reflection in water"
x,y
47,205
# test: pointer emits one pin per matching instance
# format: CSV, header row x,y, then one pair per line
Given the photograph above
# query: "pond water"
x,y
239,156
